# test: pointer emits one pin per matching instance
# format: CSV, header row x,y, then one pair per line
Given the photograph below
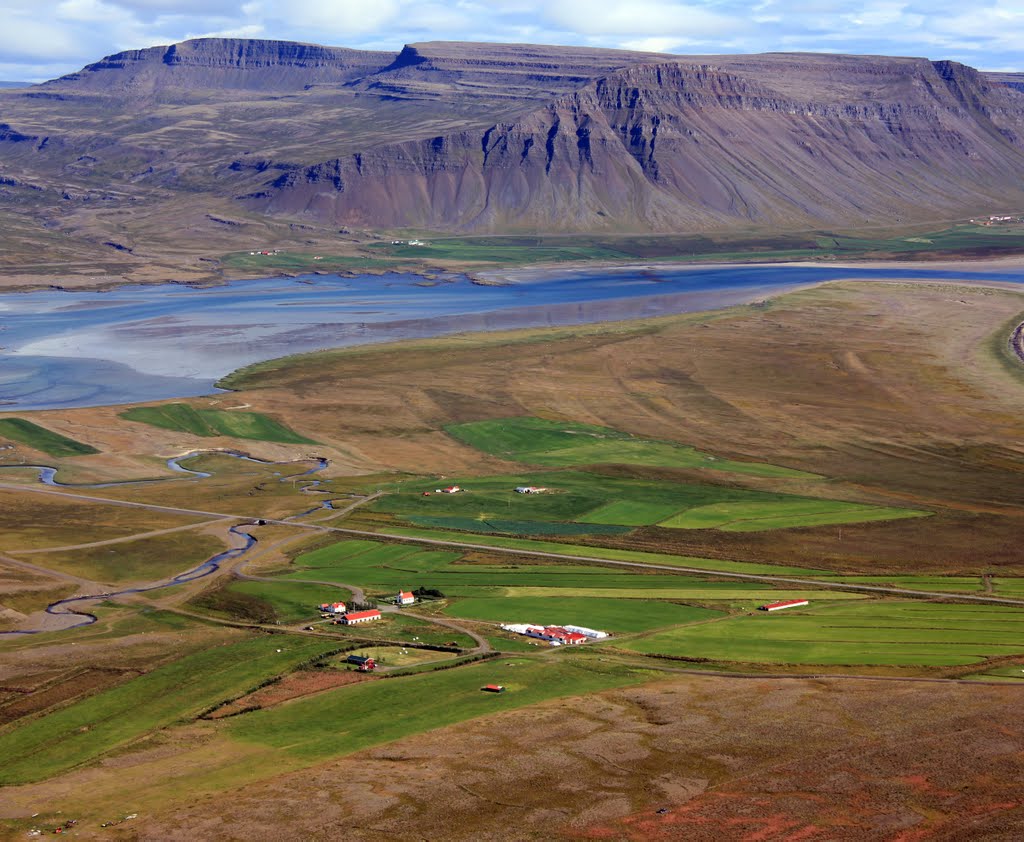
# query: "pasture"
x,y
353,718
782,514
183,418
143,560
861,633
537,441
269,602
178,691
582,503
605,613
39,438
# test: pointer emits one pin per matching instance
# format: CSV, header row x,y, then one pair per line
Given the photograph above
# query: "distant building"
x,y
593,634
493,688
333,608
405,598
530,489
451,489
779,606
353,617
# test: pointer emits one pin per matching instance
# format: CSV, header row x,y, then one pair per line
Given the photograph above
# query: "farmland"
x,y
886,633
181,417
183,689
748,441
581,503
39,438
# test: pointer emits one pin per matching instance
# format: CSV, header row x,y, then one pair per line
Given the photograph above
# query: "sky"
x,y
42,39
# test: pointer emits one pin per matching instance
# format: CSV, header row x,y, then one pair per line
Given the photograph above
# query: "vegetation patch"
x,y
862,633
39,438
782,514
607,614
145,560
269,602
519,527
184,418
344,721
179,691
565,443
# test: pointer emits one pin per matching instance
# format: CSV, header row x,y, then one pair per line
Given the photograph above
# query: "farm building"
x,y
451,489
778,606
353,617
559,635
405,598
530,489
493,688
593,634
364,662
333,608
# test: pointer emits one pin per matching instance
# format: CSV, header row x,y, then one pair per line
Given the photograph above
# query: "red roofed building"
x,y
778,606
354,617
333,607
405,598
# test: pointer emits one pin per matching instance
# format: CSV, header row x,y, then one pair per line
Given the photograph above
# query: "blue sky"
x,y
41,39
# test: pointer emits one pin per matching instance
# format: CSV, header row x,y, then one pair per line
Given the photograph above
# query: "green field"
x,y
183,418
517,527
607,614
575,551
289,261
39,438
581,503
269,602
782,514
353,718
537,441
177,692
862,633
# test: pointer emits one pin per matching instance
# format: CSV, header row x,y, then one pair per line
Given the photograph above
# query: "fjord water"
x,y
141,343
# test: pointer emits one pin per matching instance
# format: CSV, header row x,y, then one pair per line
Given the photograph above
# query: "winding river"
x,y
71,606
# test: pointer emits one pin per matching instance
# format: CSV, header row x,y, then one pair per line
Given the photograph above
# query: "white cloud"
x,y
40,35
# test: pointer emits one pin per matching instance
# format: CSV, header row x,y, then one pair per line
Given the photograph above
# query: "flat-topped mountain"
x,y
496,138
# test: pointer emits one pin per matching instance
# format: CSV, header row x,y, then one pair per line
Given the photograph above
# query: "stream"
x,y
64,607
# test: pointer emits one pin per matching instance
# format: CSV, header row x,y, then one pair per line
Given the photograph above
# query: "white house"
x,y
405,598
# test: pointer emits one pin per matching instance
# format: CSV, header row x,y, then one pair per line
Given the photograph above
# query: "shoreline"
x,y
23,283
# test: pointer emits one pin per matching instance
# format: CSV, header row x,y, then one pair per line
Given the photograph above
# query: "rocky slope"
x,y
484,137
671,145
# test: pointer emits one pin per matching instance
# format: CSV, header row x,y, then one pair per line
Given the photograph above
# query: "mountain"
x,y
179,149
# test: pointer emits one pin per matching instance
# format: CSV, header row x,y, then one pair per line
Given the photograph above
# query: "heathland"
x,y
854,446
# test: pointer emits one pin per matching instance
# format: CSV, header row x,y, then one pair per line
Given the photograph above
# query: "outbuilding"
x,y
405,598
493,688
779,606
353,617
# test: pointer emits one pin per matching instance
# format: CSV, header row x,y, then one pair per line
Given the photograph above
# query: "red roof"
x,y
407,595
785,603
359,615
574,636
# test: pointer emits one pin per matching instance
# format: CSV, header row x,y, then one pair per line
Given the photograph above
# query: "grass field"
x,y
181,417
864,633
407,629
582,503
353,718
394,656
144,560
39,438
607,614
782,514
538,441
269,602
572,550
179,691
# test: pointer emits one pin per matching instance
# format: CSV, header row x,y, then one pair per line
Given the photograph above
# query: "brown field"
x,y
292,686
735,759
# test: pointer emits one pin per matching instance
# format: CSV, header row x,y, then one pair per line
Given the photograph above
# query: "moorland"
x,y
854,445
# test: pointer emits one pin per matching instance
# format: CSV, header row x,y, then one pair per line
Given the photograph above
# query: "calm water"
x,y
139,343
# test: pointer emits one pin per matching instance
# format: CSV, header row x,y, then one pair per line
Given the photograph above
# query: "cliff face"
x,y
494,137
207,65
675,145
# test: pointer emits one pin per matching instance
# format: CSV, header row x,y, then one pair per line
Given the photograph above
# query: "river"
x,y
140,343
